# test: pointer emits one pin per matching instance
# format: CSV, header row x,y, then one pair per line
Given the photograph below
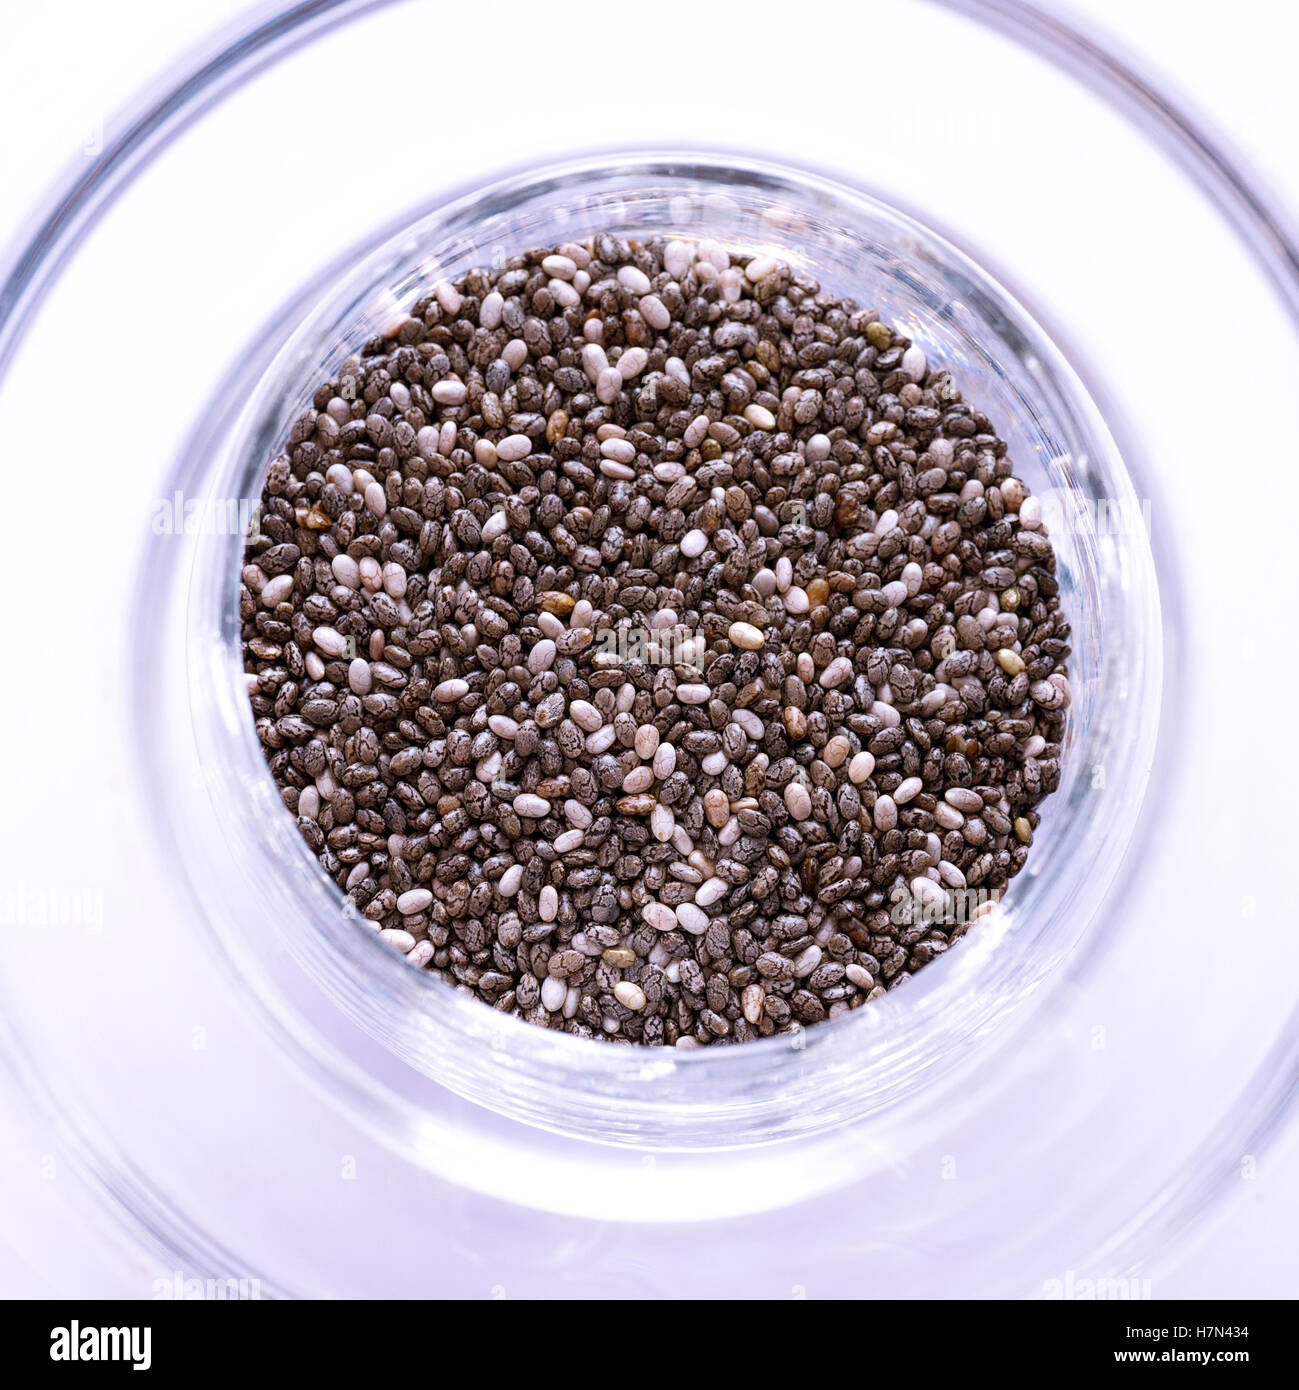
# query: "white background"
x,y
70,63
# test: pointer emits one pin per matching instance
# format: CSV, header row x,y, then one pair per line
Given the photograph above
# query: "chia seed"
x,y
655,645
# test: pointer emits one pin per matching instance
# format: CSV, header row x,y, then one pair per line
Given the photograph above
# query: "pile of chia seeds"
x,y
655,645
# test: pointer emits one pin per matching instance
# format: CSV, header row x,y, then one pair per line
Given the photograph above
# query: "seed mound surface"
x,y
655,645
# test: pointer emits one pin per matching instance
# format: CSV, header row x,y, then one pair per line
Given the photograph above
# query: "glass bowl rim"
x,y
218,66
558,1063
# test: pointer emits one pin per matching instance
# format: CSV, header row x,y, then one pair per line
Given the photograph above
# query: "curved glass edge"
x,y
221,66
392,986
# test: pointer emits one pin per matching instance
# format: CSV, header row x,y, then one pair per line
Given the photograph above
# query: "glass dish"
x,y
231,1080
859,1065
